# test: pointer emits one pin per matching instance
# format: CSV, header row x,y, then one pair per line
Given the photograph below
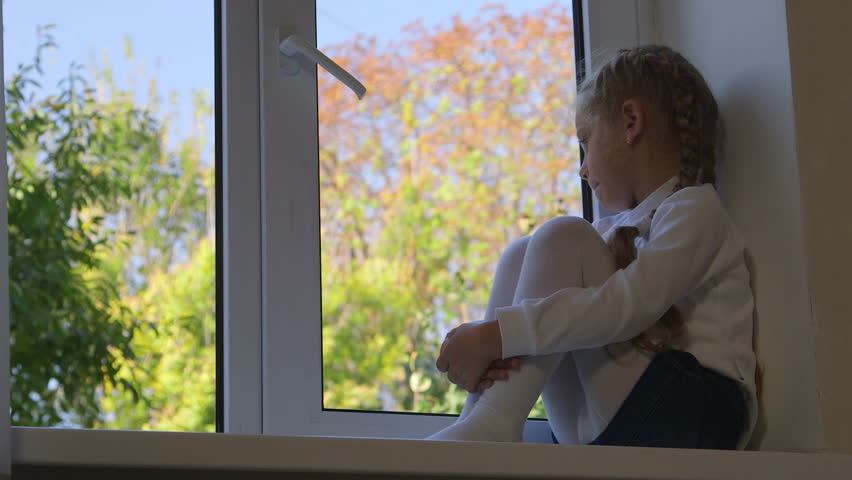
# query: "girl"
x,y
648,350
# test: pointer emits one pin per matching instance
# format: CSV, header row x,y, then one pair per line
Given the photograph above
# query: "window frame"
x,y
198,452
239,318
5,306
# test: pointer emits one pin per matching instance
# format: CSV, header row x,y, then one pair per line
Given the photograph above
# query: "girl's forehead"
x,y
584,124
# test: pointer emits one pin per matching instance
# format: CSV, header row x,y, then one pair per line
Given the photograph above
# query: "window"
x,y
112,214
385,232
283,240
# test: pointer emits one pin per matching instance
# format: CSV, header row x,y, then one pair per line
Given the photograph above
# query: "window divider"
x,y
241,211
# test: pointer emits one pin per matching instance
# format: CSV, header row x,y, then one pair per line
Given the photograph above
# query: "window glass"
x,y
111,213
464,142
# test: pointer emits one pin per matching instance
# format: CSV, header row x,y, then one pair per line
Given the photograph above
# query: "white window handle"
x,y
293,45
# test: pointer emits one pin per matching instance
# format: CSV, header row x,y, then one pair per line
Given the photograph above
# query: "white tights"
x,y
581,390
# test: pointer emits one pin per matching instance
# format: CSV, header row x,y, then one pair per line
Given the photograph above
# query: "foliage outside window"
x,y
112,277
465,143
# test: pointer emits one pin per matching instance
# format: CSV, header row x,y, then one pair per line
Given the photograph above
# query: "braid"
x,y
671,325
688,119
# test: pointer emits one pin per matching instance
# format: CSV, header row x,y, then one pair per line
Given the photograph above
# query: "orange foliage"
x,y
484,106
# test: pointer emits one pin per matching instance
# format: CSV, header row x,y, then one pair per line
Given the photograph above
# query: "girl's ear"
x,y
633,120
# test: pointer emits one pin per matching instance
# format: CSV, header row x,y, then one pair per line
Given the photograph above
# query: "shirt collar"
x,y
650,203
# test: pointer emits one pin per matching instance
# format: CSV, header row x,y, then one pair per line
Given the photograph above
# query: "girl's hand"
x,y
467,353
498,370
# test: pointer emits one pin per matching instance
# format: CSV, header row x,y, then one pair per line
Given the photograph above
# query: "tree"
x,y
70,158
175,364
105,220
166,272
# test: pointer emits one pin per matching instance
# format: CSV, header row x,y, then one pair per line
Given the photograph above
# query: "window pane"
x,y
464,142
111,213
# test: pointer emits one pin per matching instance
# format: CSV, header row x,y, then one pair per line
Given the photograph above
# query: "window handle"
x,y
294,45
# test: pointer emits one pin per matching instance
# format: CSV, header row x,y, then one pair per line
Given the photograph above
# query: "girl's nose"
x,y
584,172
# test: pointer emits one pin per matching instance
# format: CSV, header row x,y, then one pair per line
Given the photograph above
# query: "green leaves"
x,y
97,208
66,323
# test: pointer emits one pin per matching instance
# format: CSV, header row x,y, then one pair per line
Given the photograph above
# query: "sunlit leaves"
x,y
69,327
101,212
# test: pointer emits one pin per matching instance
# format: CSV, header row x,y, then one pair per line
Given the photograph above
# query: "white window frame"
x,y
242,265
270,386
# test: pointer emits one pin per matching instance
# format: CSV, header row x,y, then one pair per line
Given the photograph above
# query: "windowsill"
x,y
42,446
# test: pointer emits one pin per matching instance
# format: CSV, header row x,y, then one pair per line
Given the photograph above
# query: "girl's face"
x,y
605,163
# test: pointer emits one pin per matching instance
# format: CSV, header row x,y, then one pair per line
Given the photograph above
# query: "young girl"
x,y
653,349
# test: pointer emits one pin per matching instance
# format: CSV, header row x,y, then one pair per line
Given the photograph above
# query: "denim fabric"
x,y
678,403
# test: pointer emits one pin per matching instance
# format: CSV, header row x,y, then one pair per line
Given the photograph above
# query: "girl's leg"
x,y
567,391
606,383
502,294
559,255
564,395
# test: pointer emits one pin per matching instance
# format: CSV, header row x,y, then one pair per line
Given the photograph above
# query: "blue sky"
x,y
173,39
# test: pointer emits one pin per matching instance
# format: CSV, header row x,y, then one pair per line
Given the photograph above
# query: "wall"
x,y
822,97
768,169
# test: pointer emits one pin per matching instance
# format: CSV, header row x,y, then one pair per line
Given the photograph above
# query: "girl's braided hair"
x,y
667,80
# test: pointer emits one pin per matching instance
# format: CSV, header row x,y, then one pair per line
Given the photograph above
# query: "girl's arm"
x,y
689,243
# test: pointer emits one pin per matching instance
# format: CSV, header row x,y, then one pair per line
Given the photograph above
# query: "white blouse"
x,y
689,255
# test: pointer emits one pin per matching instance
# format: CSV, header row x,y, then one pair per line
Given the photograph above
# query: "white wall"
x,y
742,49
822,97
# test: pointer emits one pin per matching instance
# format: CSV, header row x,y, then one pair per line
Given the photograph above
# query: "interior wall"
x,y
742,50
819,39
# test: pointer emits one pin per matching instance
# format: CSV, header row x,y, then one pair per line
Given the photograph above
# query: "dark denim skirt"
x,y
678,403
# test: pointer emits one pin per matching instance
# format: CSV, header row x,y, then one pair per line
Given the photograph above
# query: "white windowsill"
x,y
41,446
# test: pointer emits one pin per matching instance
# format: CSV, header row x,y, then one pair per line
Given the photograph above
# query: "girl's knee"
x,y
574,237
564,231
514,253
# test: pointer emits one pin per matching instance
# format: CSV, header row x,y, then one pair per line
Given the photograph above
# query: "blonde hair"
x,y
682,98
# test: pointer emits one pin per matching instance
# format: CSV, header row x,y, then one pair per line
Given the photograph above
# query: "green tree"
x,y
110,228
70,158
175,364
166,269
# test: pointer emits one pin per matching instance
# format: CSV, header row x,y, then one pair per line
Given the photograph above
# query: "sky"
x,y
174,39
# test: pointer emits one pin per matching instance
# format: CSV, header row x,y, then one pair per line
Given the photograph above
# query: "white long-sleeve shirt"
x,y
689,255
